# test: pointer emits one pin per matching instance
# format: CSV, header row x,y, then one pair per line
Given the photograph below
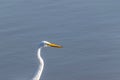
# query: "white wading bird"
x,y
41,62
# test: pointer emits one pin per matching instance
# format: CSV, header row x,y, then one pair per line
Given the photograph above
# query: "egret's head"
x,y
48,44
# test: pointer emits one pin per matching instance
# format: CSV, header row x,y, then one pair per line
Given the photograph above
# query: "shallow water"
x,y
89,30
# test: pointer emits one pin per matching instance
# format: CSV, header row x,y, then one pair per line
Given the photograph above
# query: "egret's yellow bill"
x,y
54,45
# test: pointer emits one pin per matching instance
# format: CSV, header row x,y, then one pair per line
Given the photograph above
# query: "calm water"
x,y
89,30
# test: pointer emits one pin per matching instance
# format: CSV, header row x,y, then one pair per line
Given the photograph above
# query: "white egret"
x,y
41,61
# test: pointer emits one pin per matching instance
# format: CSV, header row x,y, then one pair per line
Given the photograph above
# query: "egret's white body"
x,y
41,61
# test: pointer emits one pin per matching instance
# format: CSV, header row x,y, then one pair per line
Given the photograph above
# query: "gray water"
x,y
89,30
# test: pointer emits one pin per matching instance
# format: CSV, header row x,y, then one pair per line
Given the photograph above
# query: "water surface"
x,y
89,30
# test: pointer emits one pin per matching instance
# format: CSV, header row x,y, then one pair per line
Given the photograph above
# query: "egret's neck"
x,y
41,65
39,54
